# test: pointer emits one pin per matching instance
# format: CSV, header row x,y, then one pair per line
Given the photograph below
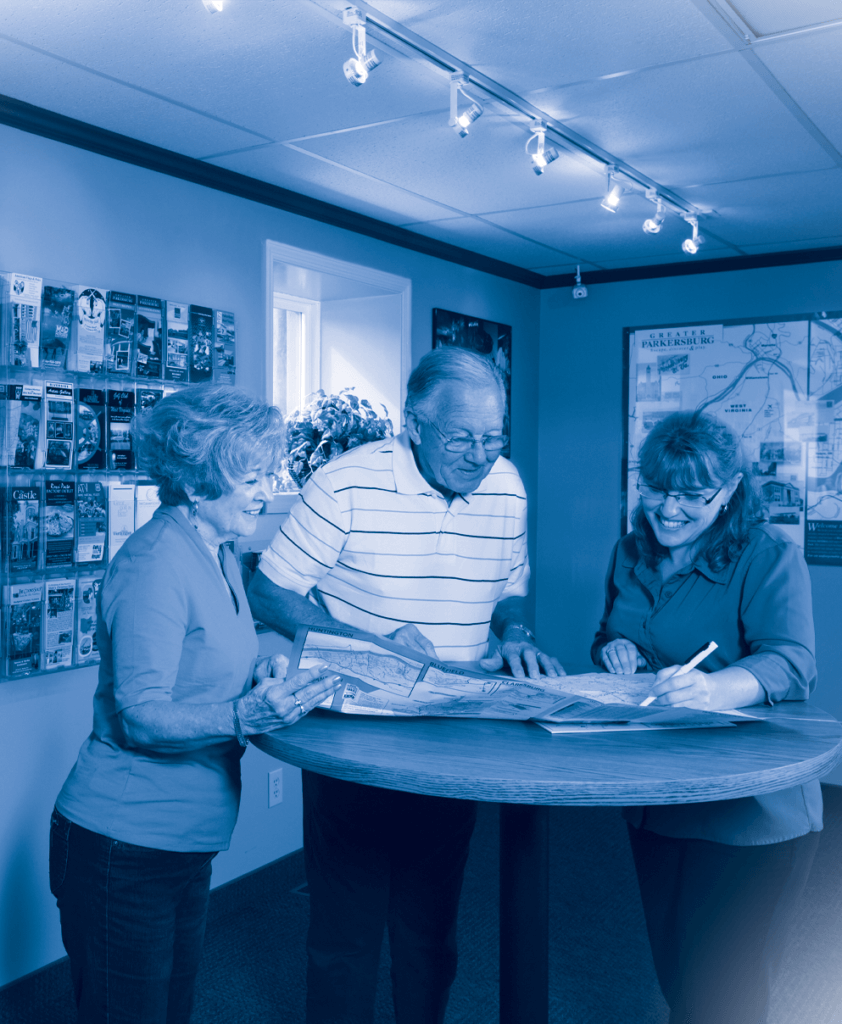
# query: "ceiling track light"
x,y
460,123
613,195
213,6
543,155
357,68
691,245
652,225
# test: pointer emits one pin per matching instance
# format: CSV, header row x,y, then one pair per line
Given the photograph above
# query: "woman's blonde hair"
x,y
205,437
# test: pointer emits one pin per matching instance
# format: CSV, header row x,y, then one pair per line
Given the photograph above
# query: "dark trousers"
x,y
718,918
375,858
132,922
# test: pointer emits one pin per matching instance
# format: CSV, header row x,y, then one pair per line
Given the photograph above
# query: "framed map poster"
x,y
778,382
485,337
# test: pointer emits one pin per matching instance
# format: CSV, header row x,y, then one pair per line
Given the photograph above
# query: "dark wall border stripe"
x,y
38,121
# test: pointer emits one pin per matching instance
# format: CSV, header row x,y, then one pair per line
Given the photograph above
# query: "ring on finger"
x,y
298,703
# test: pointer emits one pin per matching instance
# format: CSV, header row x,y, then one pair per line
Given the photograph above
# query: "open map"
x,y
780,385
380,677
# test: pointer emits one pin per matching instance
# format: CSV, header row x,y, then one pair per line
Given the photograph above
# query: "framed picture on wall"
x,y
778,382
484,337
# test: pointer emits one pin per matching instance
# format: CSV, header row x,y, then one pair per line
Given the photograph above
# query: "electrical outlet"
x,y
276,786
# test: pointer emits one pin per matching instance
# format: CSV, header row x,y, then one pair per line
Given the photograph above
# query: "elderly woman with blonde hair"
x,y
154,794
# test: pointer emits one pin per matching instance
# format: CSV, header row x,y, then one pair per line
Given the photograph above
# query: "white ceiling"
x,y
735,106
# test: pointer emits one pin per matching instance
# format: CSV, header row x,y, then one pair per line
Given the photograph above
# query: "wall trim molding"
x,y
39,121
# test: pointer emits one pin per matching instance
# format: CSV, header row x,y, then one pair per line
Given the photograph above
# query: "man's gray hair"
x,y
448,364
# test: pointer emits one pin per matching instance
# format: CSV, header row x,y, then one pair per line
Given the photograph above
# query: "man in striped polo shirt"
x,y
421,538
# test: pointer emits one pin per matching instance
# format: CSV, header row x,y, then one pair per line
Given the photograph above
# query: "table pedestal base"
x,y
524,914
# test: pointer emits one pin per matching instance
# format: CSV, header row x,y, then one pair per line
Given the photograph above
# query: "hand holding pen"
x,y
674,671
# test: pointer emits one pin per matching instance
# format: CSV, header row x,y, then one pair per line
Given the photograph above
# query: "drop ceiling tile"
x,y
479,236
280,165
709,120
532,44
486,171
787,208
59,87
270,66
807,66
766,16
588,232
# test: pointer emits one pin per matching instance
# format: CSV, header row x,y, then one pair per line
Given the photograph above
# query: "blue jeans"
x,y
132,922
375,859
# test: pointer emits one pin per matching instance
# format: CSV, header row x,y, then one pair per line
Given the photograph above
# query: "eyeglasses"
x,y
687,499
466,442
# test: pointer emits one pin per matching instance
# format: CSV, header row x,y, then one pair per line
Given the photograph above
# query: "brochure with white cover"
x,y
120,516
90,330
146,502
59,622
25,299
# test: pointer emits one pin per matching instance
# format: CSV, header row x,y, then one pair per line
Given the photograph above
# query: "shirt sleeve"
x,y
776,619
517,584
145,612
309,543
602,638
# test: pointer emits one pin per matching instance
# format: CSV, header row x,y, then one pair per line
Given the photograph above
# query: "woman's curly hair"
x,y
206,437
689,451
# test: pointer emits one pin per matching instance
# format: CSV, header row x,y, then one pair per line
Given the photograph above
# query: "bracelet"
x,y
523,629
238,729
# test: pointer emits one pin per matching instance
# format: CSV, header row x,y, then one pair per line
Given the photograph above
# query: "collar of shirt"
x,y
700,563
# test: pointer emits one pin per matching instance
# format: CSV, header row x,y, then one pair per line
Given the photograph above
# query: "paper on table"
x,y
384,678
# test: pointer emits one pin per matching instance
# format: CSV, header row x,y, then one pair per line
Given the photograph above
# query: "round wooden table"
x,y
526,769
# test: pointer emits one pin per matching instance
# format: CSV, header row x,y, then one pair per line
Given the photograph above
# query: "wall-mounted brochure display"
x,y
778,382
79,363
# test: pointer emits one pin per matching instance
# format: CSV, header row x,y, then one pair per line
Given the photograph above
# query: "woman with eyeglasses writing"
x,y
719,880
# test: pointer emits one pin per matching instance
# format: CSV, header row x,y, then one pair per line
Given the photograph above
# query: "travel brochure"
x,y
88,329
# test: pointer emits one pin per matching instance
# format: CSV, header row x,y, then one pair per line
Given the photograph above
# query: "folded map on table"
x,y
384,678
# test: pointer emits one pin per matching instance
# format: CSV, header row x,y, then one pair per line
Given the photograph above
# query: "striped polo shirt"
x,y
383,548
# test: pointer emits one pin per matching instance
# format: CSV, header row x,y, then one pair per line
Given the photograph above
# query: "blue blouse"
x,y
759,610
169,630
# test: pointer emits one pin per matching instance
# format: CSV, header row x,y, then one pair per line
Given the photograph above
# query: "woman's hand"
x,y
731,687
622,657
277,701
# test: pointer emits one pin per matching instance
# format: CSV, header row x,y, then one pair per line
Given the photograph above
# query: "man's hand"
x,y
522,657
622,657
411,636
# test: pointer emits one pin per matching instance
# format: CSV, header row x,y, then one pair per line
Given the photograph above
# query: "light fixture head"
x,y
460,123
613,195
652,225
691,245
543,154
213,6
357,68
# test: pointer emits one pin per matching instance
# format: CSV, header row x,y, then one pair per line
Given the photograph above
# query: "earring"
x,y
723,509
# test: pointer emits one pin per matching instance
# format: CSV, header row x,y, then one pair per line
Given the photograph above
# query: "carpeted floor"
x,y
601,971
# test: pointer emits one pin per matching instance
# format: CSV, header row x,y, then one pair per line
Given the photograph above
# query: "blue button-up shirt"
x,y
759,611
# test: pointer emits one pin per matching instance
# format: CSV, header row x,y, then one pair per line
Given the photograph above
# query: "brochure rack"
x,y
78,366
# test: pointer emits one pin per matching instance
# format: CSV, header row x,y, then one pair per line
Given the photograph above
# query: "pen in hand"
x,y
697,658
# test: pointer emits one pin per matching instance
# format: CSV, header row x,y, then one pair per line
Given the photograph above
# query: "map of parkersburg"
x,y
779,383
